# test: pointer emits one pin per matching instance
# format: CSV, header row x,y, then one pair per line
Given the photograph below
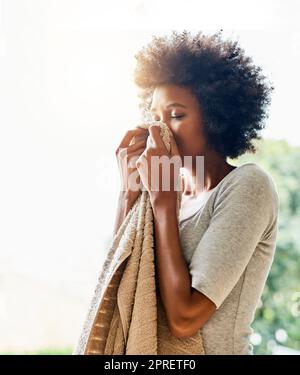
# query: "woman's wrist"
x,y
128,199
129,195
162,201
159,200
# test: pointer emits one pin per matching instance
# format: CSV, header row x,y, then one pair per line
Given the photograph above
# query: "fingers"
x,y
154,131
174,148
133,155
135,150
129,135
140,137
137,145
138,151
131,149
158,142
143,135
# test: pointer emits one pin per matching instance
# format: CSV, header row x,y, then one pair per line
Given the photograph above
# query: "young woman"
x,y
212,263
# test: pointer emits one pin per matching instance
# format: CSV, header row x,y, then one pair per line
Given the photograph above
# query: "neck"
x,y
204,177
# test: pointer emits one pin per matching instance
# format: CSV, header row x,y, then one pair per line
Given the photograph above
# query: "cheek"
x,y
190,138
190,131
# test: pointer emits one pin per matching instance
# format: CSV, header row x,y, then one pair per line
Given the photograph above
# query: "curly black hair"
x,y
233,93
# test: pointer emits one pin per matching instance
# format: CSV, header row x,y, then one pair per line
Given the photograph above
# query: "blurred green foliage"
x,y
277,319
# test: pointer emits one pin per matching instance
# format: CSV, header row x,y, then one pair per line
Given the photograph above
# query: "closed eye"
x,y
173,117
177,117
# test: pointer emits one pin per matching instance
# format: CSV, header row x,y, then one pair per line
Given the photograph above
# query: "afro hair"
x,y
233,93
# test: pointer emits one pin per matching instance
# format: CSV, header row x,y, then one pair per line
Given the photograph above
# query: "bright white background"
x,y
66,99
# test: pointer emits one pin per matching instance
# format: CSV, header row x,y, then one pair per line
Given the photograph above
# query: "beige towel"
x,y
126,315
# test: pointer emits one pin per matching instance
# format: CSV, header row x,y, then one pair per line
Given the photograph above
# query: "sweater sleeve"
x,y
245,213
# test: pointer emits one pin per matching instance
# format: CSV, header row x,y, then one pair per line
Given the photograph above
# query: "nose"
x,y
162,121
172,130
165,121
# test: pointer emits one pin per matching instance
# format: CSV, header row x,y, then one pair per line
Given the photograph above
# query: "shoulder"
x,y
248,190
250,179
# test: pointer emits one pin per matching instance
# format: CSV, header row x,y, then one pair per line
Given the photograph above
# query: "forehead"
x,y
170,93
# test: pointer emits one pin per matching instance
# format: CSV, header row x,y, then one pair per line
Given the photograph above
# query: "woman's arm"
x,y
128,196
186,308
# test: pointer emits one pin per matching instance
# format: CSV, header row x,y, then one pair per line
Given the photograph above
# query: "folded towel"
x,y
126,315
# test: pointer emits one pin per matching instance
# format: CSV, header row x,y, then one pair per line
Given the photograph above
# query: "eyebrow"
x,y
171,105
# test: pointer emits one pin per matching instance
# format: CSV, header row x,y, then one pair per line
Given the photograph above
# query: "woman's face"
x,y
184,119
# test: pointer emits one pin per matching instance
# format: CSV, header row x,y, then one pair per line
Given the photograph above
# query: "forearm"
x,y
173,274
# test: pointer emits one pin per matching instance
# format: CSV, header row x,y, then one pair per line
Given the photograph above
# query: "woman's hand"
x,y
130,148
164,166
